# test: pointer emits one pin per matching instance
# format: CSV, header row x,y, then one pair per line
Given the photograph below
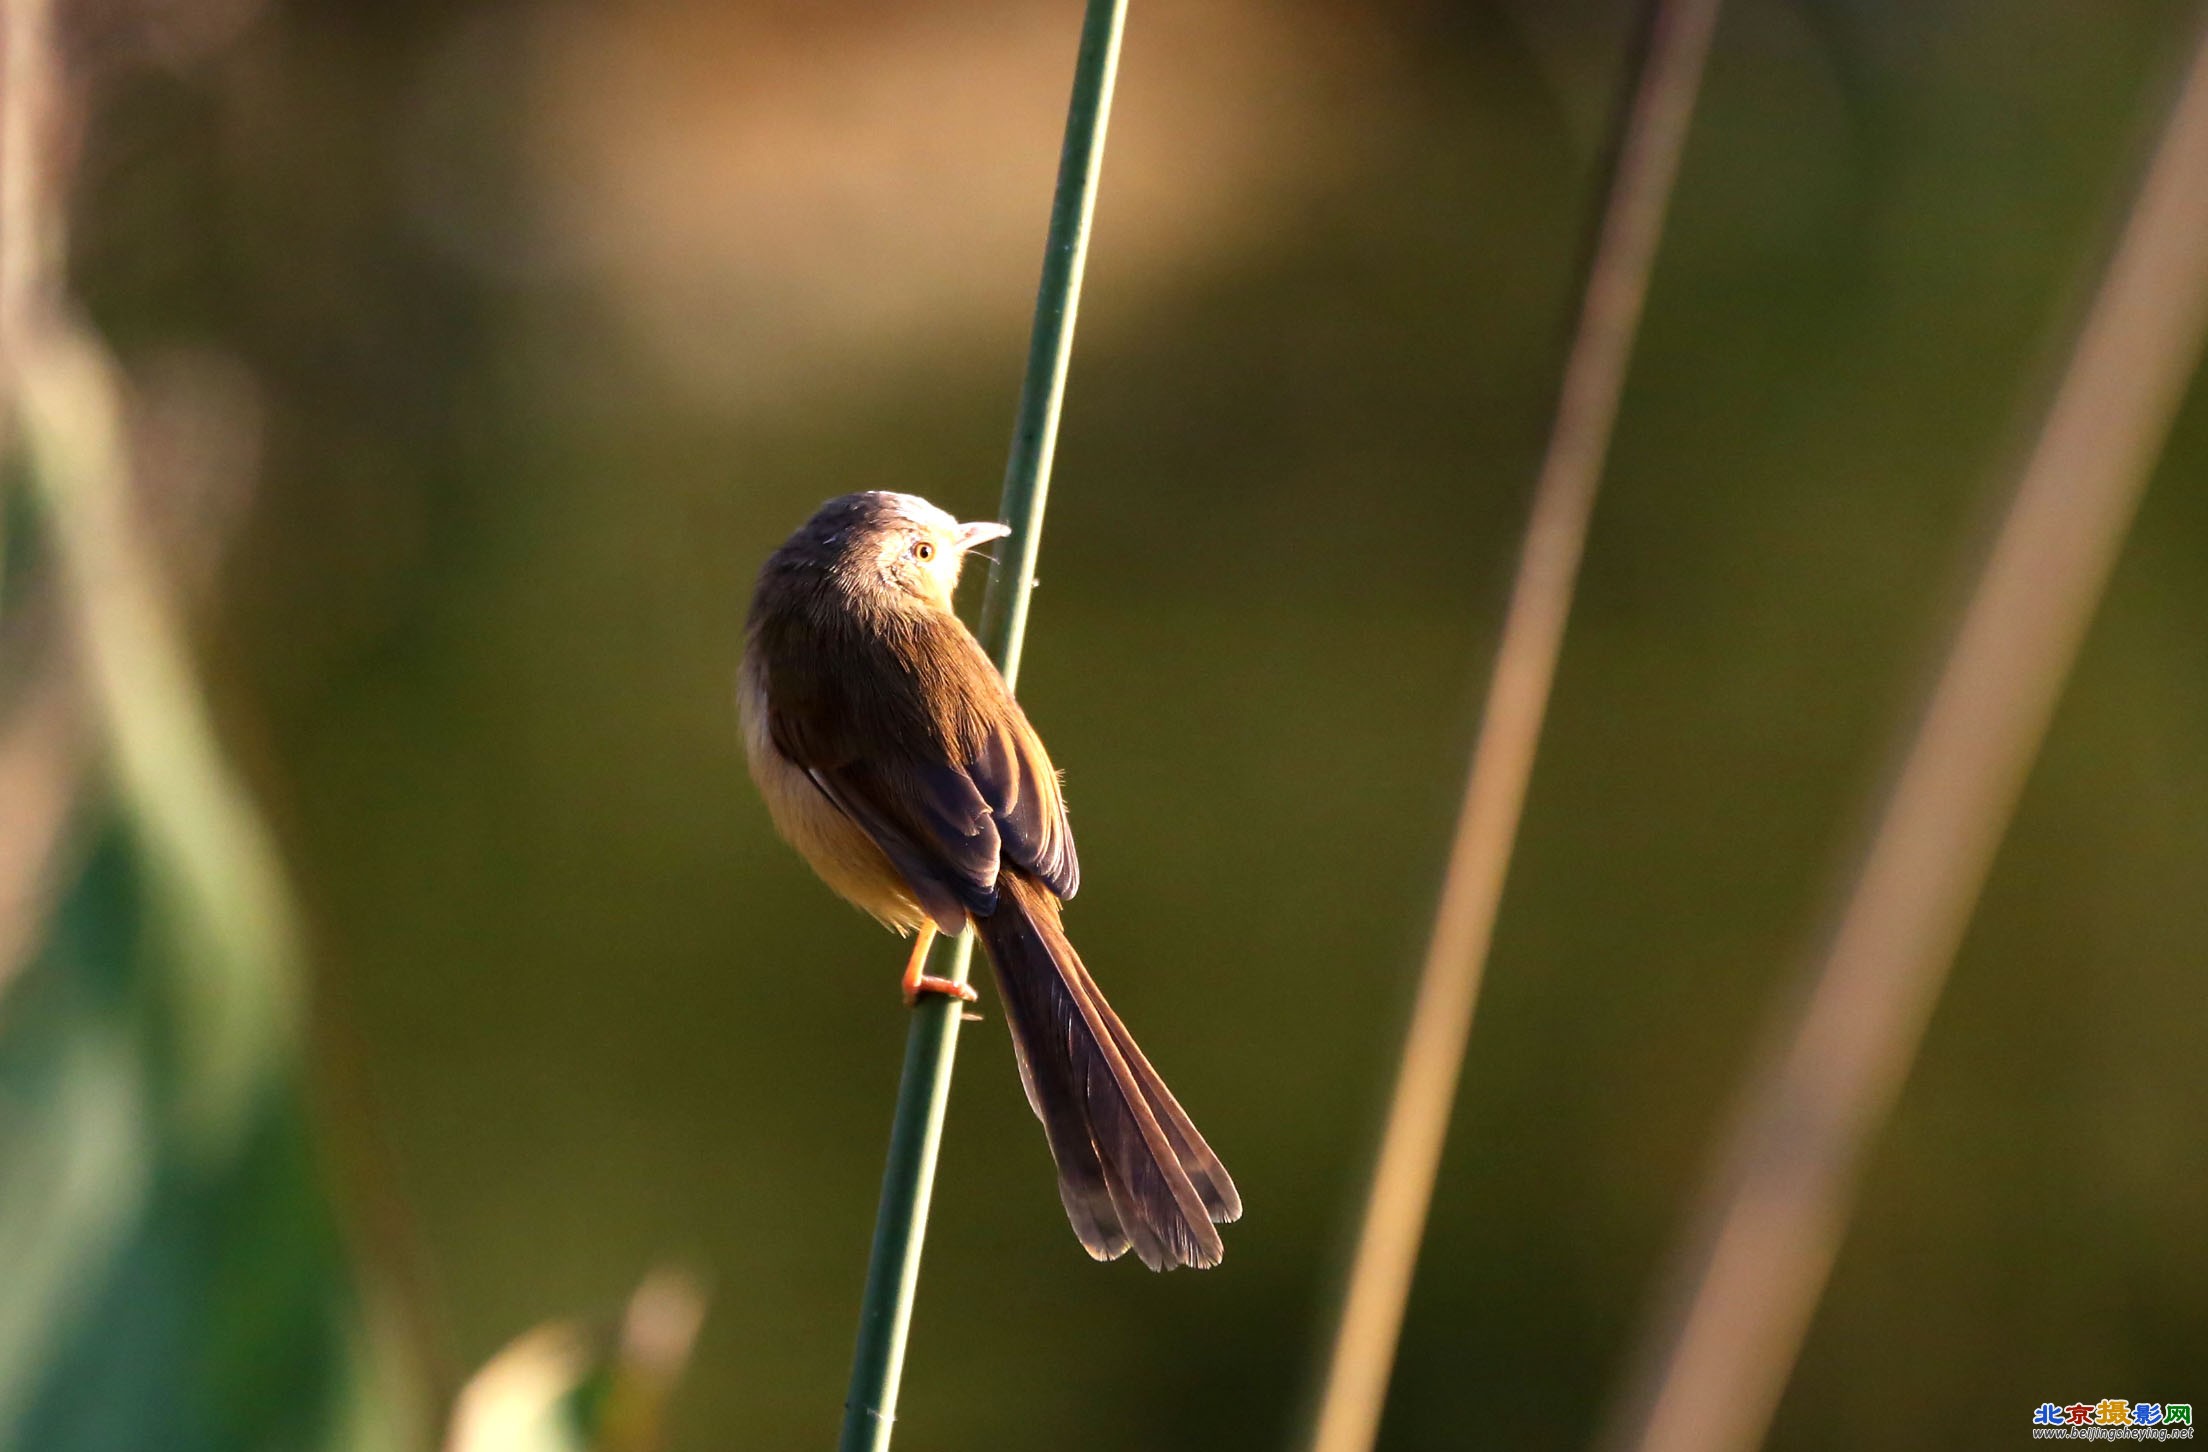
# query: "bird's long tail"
x,y
1132,1169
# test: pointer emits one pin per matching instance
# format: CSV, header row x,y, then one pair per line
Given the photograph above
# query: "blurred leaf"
x,y
561,1389
154,1299
173,1276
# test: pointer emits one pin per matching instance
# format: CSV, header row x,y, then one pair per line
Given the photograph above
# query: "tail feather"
x,y
1213,1185
1132,1170
1029,1004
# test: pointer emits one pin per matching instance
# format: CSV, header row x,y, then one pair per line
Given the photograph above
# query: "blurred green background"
x,y
522,331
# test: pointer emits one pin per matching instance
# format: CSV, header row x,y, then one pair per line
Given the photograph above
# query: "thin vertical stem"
x,y
923,1091
29,240
1776,1210
1050,348
1401,1193
25,230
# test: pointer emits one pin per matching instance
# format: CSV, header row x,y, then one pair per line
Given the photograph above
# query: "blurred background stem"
x,y
1718,1354
1653,132
923,1092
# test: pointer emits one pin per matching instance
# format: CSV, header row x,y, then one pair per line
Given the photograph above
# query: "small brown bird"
x,y
893,757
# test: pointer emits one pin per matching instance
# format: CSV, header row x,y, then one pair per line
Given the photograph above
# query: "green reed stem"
x,y
923,1092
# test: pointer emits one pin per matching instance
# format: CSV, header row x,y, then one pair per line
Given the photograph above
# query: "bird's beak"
x,y
980,532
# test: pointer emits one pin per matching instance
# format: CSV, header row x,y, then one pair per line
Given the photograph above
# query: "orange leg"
x,y
916,982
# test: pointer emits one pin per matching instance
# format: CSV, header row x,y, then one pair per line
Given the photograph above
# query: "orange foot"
x,y
917,983
926,983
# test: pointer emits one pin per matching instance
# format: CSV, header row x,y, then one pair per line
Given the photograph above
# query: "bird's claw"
x,y
923,984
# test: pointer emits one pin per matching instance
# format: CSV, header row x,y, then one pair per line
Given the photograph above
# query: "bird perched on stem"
x,y
894,759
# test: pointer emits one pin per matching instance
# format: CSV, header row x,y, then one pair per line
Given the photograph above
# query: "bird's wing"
x,y
918,742
936,831
1008,765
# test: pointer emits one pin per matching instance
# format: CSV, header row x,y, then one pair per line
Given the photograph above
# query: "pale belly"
x,y
844,856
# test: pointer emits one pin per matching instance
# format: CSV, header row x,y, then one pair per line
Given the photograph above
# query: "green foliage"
x,y
156,1297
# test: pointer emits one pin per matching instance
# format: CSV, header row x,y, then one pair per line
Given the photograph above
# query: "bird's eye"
x,y
923,552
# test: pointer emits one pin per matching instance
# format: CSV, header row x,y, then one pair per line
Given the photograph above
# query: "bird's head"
x,y
899,543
